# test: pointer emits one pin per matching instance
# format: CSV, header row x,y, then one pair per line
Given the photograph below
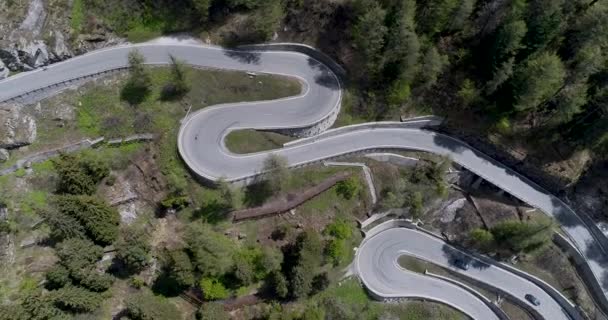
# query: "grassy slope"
x,y
248,141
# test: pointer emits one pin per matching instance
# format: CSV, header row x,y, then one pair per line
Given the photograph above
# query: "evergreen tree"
x,y
77,299
537,80
133,249
144,305
369,34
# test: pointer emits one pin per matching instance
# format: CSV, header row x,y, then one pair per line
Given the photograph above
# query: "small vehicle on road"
x,y
462,264
532,299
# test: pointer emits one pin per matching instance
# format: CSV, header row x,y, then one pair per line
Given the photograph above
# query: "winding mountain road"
x,y
377,265
201,138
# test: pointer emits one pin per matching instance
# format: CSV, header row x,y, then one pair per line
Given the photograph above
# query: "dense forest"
x,y
536,68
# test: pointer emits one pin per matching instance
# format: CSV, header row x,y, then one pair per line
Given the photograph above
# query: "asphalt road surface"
x,y
377,266
201,138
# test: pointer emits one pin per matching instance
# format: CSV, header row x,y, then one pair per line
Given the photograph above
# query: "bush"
x,y
144,305
517,236
277,173
336,251
399,92
278,284
320,282
137,282
213,289
340,229
482,239
347,188
416,204
175,202
212,311
178,86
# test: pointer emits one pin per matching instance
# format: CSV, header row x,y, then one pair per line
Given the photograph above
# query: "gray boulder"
x,y
17,129
4,155
4,71
60,49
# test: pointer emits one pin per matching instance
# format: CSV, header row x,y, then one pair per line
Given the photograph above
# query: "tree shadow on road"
x,y
324,76
243,56
457,258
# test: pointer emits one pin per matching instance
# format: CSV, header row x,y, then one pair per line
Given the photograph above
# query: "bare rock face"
x,y
35,33
17,129
4,155
24,49
3,70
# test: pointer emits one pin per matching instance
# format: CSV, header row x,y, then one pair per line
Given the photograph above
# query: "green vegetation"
x,y
144,305
133,249
514,237
212,311
415,187
347,188
78,174
177,86
78,15
181,268
84,213
79,256
249,141
209,249
137,88
213,289
350,301
277,173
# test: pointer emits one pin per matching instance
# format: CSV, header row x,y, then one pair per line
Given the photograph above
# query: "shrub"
x,y
175,202
178,86
144,305
517,236
278,284
340,229
416,204
336,251
482,239
213,289
277,173
347,188
137,282
212,311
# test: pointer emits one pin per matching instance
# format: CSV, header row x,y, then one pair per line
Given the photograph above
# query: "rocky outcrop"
x,y
4,155
40,36
4,72
17,129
